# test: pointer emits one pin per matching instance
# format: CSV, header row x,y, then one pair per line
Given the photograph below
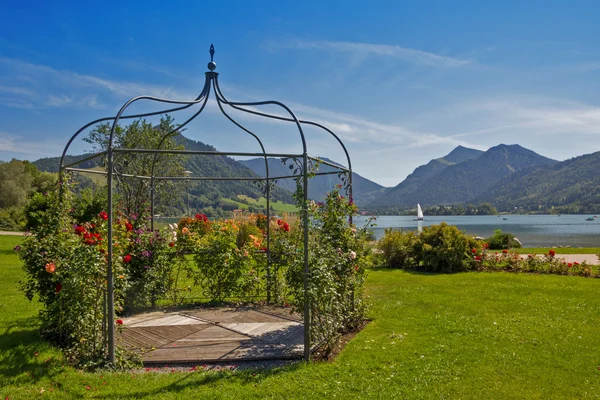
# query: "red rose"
x,y
119,322
473,251
201,217
103,215
551,253
58,288
171,244
478,258
569,265
79,230
128,226
504,251
127,259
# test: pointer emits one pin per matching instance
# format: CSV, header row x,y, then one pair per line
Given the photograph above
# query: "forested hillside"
x,y
571,186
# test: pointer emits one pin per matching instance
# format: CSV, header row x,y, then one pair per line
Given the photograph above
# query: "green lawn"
x,y
471,335
262,202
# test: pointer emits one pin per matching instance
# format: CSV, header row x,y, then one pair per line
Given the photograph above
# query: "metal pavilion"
x,y
211,84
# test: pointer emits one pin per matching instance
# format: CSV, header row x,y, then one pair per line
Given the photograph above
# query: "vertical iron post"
x,y
110,319
307,344
152,202
350,193
269,278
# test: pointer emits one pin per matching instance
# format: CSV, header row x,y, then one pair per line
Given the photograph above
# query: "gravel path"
x,y
7,233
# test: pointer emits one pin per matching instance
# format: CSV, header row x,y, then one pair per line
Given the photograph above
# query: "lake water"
x,y
531,230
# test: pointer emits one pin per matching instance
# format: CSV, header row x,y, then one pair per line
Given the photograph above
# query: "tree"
x,y
135,193
486,209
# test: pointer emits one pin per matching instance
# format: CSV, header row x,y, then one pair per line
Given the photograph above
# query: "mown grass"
x,y
278,206
558,250
471,335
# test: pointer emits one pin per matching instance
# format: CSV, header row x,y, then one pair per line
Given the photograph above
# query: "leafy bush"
x,y
10,219
220,264
37,208
500,241
444,248
89,204
398,248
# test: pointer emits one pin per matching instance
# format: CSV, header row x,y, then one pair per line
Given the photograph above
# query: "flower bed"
x,y
65,260
443,248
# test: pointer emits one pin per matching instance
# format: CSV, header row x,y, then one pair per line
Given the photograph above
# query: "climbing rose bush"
x,y
338,258
65,264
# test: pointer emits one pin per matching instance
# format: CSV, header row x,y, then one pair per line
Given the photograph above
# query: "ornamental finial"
x,y
212,65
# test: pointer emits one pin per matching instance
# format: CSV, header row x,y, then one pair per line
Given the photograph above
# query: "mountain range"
x,y
394,196
571,186
443,181
506,176
363,189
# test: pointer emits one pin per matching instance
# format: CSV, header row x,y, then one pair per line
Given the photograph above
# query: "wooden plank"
x,y
175,332
255,329
135,319
175,319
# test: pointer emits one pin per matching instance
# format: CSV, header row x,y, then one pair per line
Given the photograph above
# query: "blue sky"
x,y
401,82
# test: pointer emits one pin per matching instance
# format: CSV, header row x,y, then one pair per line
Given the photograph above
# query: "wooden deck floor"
x,y
214,335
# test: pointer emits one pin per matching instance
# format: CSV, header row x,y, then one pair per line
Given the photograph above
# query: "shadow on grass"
x,y
411,271
20,345
8,252
197,380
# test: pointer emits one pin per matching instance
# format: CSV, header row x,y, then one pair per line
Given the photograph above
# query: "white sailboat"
x,y
419,213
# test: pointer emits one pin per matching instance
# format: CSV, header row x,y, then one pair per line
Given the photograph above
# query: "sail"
x,y
419,211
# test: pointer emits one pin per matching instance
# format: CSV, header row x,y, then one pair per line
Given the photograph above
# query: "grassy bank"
x,y
472,335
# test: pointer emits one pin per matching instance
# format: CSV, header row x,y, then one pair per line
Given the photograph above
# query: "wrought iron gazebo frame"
x,y
211,81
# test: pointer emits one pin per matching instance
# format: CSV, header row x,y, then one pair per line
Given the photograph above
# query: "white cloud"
x,y
58,101
20,146
535,116
412,56
16,90
49,87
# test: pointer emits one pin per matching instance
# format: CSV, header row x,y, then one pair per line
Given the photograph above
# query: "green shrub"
x,y
10,219
89,204
36,209
501,241
220,265
444,248
397,248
